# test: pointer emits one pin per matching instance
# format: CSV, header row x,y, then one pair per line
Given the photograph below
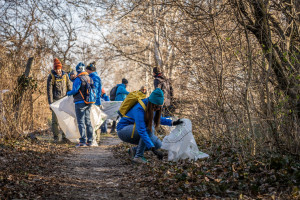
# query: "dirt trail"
x,y
93,173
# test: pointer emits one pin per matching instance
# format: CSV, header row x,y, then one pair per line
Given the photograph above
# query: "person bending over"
x,y
139,125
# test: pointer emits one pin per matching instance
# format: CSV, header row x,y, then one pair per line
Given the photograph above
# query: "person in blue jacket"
x,y
104,97
143,133
91,70
121,94
121,91
82,109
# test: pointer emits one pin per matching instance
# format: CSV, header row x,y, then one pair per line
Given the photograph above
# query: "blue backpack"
x,y
88,90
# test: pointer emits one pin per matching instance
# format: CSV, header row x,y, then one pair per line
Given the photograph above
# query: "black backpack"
x,y
113,93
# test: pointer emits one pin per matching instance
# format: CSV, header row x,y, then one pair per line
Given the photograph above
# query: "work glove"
x,y
158,154
177,122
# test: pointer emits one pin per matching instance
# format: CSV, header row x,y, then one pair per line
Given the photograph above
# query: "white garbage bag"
x,y
110,108
65,113
181,144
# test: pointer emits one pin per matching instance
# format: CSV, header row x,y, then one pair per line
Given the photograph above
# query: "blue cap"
x,y
80,67
157,97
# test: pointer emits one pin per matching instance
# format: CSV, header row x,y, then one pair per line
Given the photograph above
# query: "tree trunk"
x,y
22,87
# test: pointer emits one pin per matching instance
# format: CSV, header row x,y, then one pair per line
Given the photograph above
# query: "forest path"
x,y
94,173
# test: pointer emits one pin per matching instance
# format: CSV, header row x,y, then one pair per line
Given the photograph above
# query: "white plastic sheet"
x,y
110,108
65,112
181,144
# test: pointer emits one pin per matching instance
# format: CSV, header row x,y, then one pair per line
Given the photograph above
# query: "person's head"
x,y
143,90
156,101
91,68
124,81
72,75
80,67
156,70
57,66
102,91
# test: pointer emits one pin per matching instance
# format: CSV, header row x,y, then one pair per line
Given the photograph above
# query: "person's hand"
x,y
177,122
158,154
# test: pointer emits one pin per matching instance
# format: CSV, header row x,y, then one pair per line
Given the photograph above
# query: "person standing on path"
x,y
91,70
160,81
82,109
58,84
120,96
138,128
104,97
121,91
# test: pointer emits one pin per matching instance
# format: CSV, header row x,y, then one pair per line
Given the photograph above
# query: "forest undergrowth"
x,y
29,167
226,174
26,166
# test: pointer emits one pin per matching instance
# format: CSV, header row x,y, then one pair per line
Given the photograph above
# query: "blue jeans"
x,y
103,127
125,135
84,122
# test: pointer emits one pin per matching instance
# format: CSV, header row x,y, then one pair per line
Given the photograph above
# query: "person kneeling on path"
x,y
138,128
82,109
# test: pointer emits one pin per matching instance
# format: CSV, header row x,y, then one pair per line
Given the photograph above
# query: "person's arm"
x,y
50,89
165,121
140,126
76,86
122,90
69,87
100,90
97,85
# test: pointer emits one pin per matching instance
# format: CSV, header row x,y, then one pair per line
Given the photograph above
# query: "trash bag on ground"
x,y
65,113
181,144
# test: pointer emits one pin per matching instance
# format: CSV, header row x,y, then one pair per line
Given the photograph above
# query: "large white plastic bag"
x,y
68,106
110,108
181,144
65,113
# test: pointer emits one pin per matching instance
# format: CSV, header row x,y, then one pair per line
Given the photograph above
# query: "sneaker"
x,y
141,160
89,144
131,152
80,145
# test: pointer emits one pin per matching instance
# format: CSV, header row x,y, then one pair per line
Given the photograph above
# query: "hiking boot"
x,y
140,160
80,145
131,152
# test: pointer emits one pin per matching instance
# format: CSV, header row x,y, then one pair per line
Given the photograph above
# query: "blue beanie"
x,y
157,97
80,67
